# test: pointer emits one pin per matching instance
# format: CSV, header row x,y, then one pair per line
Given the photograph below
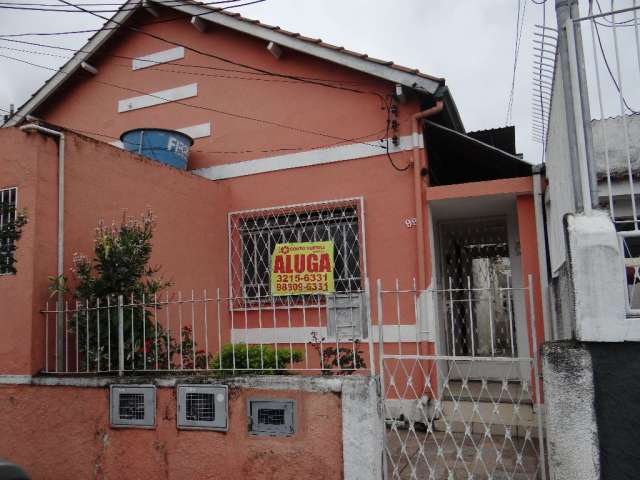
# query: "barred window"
x,y
254,236
8,198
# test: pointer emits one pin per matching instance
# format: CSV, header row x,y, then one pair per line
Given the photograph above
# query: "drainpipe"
x,y
538,201
47,131
419,162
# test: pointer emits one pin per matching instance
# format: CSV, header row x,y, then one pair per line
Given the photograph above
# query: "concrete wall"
x,y
558,170
79,442
572,434
616,380
592,394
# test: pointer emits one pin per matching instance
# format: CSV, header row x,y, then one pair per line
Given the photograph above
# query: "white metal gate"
x,y
444,419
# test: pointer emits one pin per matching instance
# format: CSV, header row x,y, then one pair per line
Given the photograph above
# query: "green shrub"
x,y
120,266
10,232
262,359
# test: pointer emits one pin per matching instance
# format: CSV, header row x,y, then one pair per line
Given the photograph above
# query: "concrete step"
x,y
499,418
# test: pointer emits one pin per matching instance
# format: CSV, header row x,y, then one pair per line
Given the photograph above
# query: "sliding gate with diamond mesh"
x,y
457,416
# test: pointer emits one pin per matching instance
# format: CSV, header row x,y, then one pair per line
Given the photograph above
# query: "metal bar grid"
x,y
8,206
254,233
176,332
458,416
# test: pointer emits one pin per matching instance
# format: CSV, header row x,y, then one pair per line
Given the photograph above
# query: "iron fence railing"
x,y
323,334
462,413
211,333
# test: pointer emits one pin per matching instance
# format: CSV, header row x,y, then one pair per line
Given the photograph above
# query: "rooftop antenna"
x,y
545,47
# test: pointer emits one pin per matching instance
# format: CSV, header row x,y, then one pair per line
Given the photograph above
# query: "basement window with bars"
x,y
8,201
254,235
272,417
202,407
133,406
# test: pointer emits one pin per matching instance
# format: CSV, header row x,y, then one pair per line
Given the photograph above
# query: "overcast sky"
x,y
469,42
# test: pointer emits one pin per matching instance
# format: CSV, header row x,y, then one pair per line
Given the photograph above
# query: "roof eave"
x,y
408,79
109,29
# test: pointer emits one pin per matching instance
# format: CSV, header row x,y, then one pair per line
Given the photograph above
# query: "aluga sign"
x,y
302,268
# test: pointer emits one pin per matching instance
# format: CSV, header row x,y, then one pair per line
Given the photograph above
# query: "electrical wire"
x,y
386,135
153,22
168,70
239,64
205,67
226,60
227,152
201,107
611,75
171,3
519,29
55,8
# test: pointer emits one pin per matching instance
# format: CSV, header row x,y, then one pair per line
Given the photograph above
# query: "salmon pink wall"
x,y
101,182
79,442
530,264
90,105
28,164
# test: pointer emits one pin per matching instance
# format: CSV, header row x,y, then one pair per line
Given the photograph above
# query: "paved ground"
x,y
440,458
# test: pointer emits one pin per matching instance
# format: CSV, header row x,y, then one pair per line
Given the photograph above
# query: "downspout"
x,y
538,201
419,162
60,270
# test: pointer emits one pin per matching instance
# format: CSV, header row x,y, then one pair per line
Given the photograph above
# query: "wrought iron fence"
x,y
210,333
456,410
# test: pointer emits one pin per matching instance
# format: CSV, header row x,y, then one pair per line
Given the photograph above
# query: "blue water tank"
x,y
165,146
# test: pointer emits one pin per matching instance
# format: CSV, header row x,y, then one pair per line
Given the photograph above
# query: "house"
x,y
296,142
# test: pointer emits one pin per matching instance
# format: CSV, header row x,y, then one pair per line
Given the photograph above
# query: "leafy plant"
x,y
10,233
120,268
240,359
192,358
338,361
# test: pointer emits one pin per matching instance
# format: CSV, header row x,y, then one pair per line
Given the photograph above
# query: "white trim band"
x,y
15,379
158,98
157,58
309,158
286,335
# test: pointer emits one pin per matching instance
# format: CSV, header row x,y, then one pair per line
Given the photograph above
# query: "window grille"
x,y
202,407
254,234
133,406
272,417
8,203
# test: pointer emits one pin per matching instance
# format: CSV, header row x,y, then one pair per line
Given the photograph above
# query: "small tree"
x,y
10,232
120,267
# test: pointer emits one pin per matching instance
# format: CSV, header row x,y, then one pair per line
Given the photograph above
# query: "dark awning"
x,y
456,157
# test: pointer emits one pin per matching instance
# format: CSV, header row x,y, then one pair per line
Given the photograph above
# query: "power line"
x,y
243,65
201,107
232,152
205,67
154,22
116,4
611,75
59,8
157,68
519,29
223,59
